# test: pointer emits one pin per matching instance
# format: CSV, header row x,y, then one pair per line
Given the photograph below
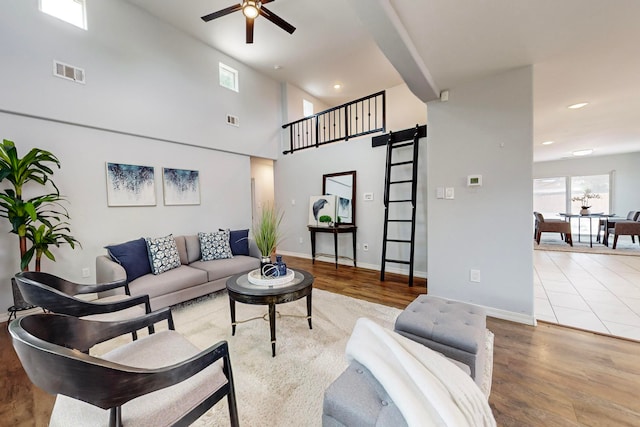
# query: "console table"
x,y
335,231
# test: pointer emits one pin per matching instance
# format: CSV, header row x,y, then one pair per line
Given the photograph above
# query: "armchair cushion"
x,y
163,254
160,408
132,256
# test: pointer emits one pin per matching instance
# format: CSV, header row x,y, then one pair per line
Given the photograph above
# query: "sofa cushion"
x,y
220,268
163,253
215,245
132,256
193,248
182,249
170,281
239,242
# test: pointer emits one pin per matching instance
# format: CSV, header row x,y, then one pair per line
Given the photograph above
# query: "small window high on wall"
x,y
307,108
72,11
228,77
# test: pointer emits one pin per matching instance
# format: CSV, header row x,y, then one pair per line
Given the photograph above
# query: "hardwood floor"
x,y
544,376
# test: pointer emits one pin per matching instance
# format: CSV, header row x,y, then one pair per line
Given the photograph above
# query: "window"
x,y
598,184
550,196
228,77
307,108
72,11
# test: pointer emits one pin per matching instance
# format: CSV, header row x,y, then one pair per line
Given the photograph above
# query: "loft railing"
x,y
356,118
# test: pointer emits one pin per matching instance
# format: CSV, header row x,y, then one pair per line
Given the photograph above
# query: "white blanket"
x,y
427,388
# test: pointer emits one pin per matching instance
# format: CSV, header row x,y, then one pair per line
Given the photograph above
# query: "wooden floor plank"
x,y
547,375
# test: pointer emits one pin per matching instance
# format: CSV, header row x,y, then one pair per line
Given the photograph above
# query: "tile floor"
x,y
599,293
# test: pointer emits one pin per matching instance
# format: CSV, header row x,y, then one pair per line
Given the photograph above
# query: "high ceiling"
x,y
581,51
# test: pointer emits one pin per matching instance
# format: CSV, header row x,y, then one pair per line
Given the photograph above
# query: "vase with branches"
x,y
584,200
266,232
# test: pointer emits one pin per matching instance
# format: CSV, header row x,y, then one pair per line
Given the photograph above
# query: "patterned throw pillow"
x,y
163,253
215,245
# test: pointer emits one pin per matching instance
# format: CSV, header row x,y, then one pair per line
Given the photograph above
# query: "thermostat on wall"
x,y
474,180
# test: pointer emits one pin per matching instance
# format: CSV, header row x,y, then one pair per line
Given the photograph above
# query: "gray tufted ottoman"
x,y
455,329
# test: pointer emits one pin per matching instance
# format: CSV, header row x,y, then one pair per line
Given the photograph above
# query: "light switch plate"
x,y
448,193
440,193
368,197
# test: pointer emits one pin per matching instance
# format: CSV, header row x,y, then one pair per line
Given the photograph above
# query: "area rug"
x,y
286,390
624,247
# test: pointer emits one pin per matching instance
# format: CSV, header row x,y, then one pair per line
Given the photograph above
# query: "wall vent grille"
x,y
68,72
233,120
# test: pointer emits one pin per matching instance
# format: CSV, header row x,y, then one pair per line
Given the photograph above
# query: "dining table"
x,y
590,217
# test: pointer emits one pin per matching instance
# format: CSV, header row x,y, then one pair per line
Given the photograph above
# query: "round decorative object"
x,y
585,211
256,278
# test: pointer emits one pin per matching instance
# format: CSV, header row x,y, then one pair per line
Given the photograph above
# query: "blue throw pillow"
x,y
132,256
239,241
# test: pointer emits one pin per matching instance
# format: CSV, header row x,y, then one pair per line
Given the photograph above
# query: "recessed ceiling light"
x,y
582,152
337,86
547,143
579,105
277,67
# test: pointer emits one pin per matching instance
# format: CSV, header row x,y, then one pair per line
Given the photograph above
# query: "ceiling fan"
x,y
251,9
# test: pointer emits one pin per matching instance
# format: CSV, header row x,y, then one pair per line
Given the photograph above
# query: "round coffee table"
x,y
241,290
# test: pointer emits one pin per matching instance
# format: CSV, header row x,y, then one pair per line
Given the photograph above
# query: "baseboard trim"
x,y
342,261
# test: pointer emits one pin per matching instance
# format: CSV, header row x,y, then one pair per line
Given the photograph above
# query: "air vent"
x,y
68,72
233,120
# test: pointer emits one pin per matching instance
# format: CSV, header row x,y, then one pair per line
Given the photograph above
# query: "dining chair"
x,y
552,226
159,380
626,228
610,227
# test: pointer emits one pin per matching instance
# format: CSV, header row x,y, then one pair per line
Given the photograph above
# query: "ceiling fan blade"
x,y
277,20
249,30
222,12
266,1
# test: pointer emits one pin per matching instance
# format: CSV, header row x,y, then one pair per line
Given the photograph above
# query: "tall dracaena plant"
x,y
33,167
266,231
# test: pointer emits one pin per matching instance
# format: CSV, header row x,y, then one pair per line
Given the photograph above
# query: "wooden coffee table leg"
x,y
232,308
309,310
272,326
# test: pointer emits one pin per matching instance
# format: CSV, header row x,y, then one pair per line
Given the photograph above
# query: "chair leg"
x,y
615,241
115,417
569,239
538,236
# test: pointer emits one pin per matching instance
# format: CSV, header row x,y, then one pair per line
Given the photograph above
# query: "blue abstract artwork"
x,y
181,186
130,185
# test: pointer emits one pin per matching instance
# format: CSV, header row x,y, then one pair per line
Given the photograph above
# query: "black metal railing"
x,y
353,119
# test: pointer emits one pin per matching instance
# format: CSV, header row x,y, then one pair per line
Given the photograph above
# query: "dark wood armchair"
x,y
543,225
160,380
58,295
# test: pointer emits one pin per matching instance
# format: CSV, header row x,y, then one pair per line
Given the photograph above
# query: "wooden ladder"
x,y
395,142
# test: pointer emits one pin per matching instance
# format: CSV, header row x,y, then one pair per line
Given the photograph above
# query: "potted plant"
x,y
29,216
266,232
584,200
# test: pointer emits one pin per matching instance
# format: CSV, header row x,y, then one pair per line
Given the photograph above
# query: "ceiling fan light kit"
x,y
251,9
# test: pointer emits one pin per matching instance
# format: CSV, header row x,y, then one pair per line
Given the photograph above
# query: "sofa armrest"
x,y
108,270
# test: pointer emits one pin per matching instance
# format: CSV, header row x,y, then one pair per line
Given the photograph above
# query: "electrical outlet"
x,y
368,197
474,276
86,272
365,247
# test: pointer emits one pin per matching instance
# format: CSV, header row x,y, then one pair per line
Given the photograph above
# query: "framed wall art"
x,y
130,185
181,186
322,210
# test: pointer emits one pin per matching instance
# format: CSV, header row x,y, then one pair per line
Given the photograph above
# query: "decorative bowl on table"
x,y
256,277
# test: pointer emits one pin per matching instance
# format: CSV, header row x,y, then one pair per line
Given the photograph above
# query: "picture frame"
x,y
181,187
130,185
320,206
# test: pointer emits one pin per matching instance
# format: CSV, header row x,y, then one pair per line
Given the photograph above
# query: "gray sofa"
x,y
192,279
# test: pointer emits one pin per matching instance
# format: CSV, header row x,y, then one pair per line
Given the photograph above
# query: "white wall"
x,y
626,176
151,98
485,128
299,176
142,77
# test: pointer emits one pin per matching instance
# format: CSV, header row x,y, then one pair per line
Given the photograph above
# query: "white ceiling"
x,y
581,50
